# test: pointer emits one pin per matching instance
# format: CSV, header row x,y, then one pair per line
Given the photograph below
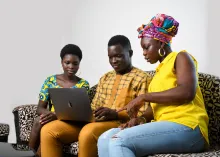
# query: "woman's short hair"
x,y
71,49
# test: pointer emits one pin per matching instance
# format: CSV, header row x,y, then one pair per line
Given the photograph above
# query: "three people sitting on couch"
x,y
171,109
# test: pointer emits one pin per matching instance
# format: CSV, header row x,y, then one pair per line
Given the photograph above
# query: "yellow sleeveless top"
x,y
191,114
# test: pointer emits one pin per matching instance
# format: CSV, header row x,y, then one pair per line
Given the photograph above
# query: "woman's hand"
x,y
134,106
132,122
47,117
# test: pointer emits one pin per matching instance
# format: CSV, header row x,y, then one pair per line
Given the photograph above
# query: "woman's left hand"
x,y
132,122
134,106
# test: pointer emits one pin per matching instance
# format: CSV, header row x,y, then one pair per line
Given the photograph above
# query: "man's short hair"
x,y
120,39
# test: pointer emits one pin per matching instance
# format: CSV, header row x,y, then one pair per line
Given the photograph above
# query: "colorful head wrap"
x,y
161,27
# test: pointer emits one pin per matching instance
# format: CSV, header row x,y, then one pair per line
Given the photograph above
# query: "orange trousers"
x,y
57,133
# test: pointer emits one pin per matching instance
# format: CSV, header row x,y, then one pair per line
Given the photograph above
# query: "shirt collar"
x,y
165,61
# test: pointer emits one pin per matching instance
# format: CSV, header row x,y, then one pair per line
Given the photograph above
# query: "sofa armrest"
x,y
24,116
4,132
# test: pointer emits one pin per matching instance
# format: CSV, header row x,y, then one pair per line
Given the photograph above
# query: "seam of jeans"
x,y
121,144
197,141
122,141
165,132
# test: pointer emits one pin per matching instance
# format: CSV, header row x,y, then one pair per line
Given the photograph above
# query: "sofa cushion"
x,y
211,153
72,148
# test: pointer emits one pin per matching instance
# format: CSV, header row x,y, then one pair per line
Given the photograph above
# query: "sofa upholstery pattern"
x,y
4,132
210,86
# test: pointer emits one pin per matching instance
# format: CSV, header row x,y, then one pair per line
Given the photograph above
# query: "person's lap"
x,y
56,133
153,138
65,131
89,135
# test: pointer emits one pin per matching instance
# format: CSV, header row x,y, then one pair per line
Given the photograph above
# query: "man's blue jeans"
x,y
150,138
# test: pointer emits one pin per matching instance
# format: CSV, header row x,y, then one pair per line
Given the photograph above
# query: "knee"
x,y
48,131
106,137
102,140
87,132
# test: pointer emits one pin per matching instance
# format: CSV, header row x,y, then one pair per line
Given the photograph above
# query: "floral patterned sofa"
x,y
210,85
4,132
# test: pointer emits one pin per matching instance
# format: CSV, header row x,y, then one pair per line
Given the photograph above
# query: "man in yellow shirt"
x,y
115,89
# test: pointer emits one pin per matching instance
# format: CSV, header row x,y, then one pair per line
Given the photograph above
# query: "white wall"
x,y
95,22
33,32
213,39
31,36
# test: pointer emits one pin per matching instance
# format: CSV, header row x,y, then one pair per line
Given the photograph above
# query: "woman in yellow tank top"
x,y
176,120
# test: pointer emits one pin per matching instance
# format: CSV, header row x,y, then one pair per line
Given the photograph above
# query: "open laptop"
x,y
71,104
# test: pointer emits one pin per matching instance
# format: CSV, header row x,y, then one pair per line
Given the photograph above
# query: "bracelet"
x,y
144,119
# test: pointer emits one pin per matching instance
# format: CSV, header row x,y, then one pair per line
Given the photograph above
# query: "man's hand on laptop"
x,y
47,117
105,113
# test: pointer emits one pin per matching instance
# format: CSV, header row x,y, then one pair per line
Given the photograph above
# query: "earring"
x,y
160,54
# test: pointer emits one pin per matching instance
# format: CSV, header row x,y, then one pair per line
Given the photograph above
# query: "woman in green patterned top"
x,y
71,56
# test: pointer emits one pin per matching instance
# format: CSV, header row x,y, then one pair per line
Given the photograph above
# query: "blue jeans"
x,y
150,138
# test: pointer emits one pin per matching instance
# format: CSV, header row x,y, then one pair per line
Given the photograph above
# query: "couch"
x,y
210,86
4,132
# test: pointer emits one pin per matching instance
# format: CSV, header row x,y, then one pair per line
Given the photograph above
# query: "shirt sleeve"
x,y
95,101
143,89
85,84
44,95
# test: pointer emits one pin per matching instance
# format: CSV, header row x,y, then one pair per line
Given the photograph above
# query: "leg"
x,y
35,135
56,133
103,141
89,136
39,151
154,138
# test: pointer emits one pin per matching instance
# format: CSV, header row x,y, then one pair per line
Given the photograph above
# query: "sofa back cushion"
x,y
210,87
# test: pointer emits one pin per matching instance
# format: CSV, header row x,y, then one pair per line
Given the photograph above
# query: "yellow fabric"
x,y
57,133
115,91
89,135
191,114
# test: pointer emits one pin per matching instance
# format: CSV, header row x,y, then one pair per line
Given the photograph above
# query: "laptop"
x,y
71,104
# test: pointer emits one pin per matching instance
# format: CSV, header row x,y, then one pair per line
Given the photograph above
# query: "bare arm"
x,y
42,107
186,83
148,114
184,92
